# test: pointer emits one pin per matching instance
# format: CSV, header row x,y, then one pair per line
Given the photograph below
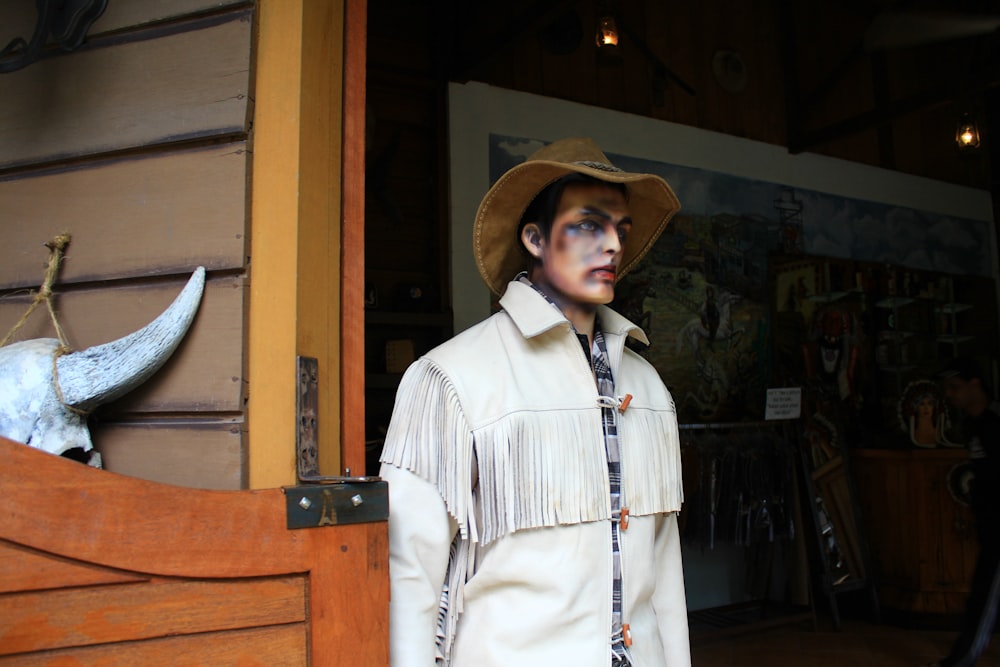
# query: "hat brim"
x,y
652,203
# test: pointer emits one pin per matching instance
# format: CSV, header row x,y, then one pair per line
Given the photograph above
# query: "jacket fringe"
x,y
452,598
430,437
542,468
651,475
533,468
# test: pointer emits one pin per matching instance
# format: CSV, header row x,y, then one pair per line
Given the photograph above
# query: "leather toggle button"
x,y
623,406
627,634
624,518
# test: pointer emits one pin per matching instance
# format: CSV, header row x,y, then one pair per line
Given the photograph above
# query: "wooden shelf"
x,y
828,297
954,338
894,302
950,308
895,335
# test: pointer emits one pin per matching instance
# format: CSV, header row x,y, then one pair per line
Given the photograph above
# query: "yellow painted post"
x,y
295,230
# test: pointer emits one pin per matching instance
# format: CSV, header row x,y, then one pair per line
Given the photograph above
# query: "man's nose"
x,y
612,242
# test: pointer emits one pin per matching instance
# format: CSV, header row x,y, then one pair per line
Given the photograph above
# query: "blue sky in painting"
x,y
833,225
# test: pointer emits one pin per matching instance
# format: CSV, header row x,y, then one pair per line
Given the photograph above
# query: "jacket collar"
x,y
533,315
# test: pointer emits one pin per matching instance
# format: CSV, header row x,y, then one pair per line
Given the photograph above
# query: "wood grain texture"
x,y
112,521
134,217
212,534
319,253
133,13
179,86
297,207
272,646
922,540
203,455
352,309
204,373
272,341
161,608
17,17
23,569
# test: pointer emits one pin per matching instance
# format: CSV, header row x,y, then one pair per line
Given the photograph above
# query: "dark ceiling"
x,y
825,71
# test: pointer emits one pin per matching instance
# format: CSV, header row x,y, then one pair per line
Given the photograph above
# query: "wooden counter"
x,y
922,540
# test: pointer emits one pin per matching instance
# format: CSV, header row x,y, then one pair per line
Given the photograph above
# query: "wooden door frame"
x,y
307,233
352,261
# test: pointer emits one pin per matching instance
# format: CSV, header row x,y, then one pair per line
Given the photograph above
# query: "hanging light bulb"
x,y
607,31
967,133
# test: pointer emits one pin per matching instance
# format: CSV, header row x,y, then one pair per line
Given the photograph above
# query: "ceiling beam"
x,y
892,109
826,85
472,58
658,65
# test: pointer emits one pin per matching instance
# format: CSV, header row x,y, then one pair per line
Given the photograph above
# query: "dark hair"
x,y
542,209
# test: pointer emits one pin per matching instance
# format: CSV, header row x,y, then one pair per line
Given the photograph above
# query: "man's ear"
x,y
533,239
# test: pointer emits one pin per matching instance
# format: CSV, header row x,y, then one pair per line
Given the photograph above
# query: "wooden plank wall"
x,y
136,144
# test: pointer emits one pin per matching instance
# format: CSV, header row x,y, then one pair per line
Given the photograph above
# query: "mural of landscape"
x,y
701,293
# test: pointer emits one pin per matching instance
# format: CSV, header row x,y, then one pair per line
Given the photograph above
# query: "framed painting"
x,y
702,293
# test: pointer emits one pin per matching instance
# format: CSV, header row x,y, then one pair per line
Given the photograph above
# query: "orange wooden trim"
x,y
23,569
151,609
209,533
352,262
273,645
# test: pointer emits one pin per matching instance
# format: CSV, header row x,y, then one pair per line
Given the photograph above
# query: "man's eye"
x,y
623,231
587,226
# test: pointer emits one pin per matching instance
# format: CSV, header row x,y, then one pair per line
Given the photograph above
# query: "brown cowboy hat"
x,y
498,254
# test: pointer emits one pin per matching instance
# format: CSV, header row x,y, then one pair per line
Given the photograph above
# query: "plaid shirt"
x,y
597,357
606,388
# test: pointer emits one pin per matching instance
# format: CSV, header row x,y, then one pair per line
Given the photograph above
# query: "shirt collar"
x,y
534,315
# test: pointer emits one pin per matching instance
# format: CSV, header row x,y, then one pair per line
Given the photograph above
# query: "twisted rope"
x,y
56,247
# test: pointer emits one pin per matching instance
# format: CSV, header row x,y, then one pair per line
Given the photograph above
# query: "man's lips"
x,y
605,272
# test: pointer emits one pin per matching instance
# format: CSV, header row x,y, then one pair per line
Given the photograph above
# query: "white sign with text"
x,y
784,403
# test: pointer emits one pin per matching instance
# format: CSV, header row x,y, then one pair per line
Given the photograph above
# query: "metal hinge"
x,y
327,500
336,504
307,414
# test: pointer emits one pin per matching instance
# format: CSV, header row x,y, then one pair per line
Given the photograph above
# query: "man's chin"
x,y
601,297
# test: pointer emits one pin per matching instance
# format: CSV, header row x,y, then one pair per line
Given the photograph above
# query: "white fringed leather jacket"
x,y
499,537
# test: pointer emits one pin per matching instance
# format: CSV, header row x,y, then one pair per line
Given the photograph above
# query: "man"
x,y
533,461
964,389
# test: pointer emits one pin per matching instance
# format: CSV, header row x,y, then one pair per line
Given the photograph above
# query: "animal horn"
x,y
102,373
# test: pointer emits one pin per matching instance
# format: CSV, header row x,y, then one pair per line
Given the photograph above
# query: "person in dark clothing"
x,y
965,389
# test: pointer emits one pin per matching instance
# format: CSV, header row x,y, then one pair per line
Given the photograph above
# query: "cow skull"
x,y
45,396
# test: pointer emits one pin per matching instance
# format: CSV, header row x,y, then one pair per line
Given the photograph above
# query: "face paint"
x,y
581,256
